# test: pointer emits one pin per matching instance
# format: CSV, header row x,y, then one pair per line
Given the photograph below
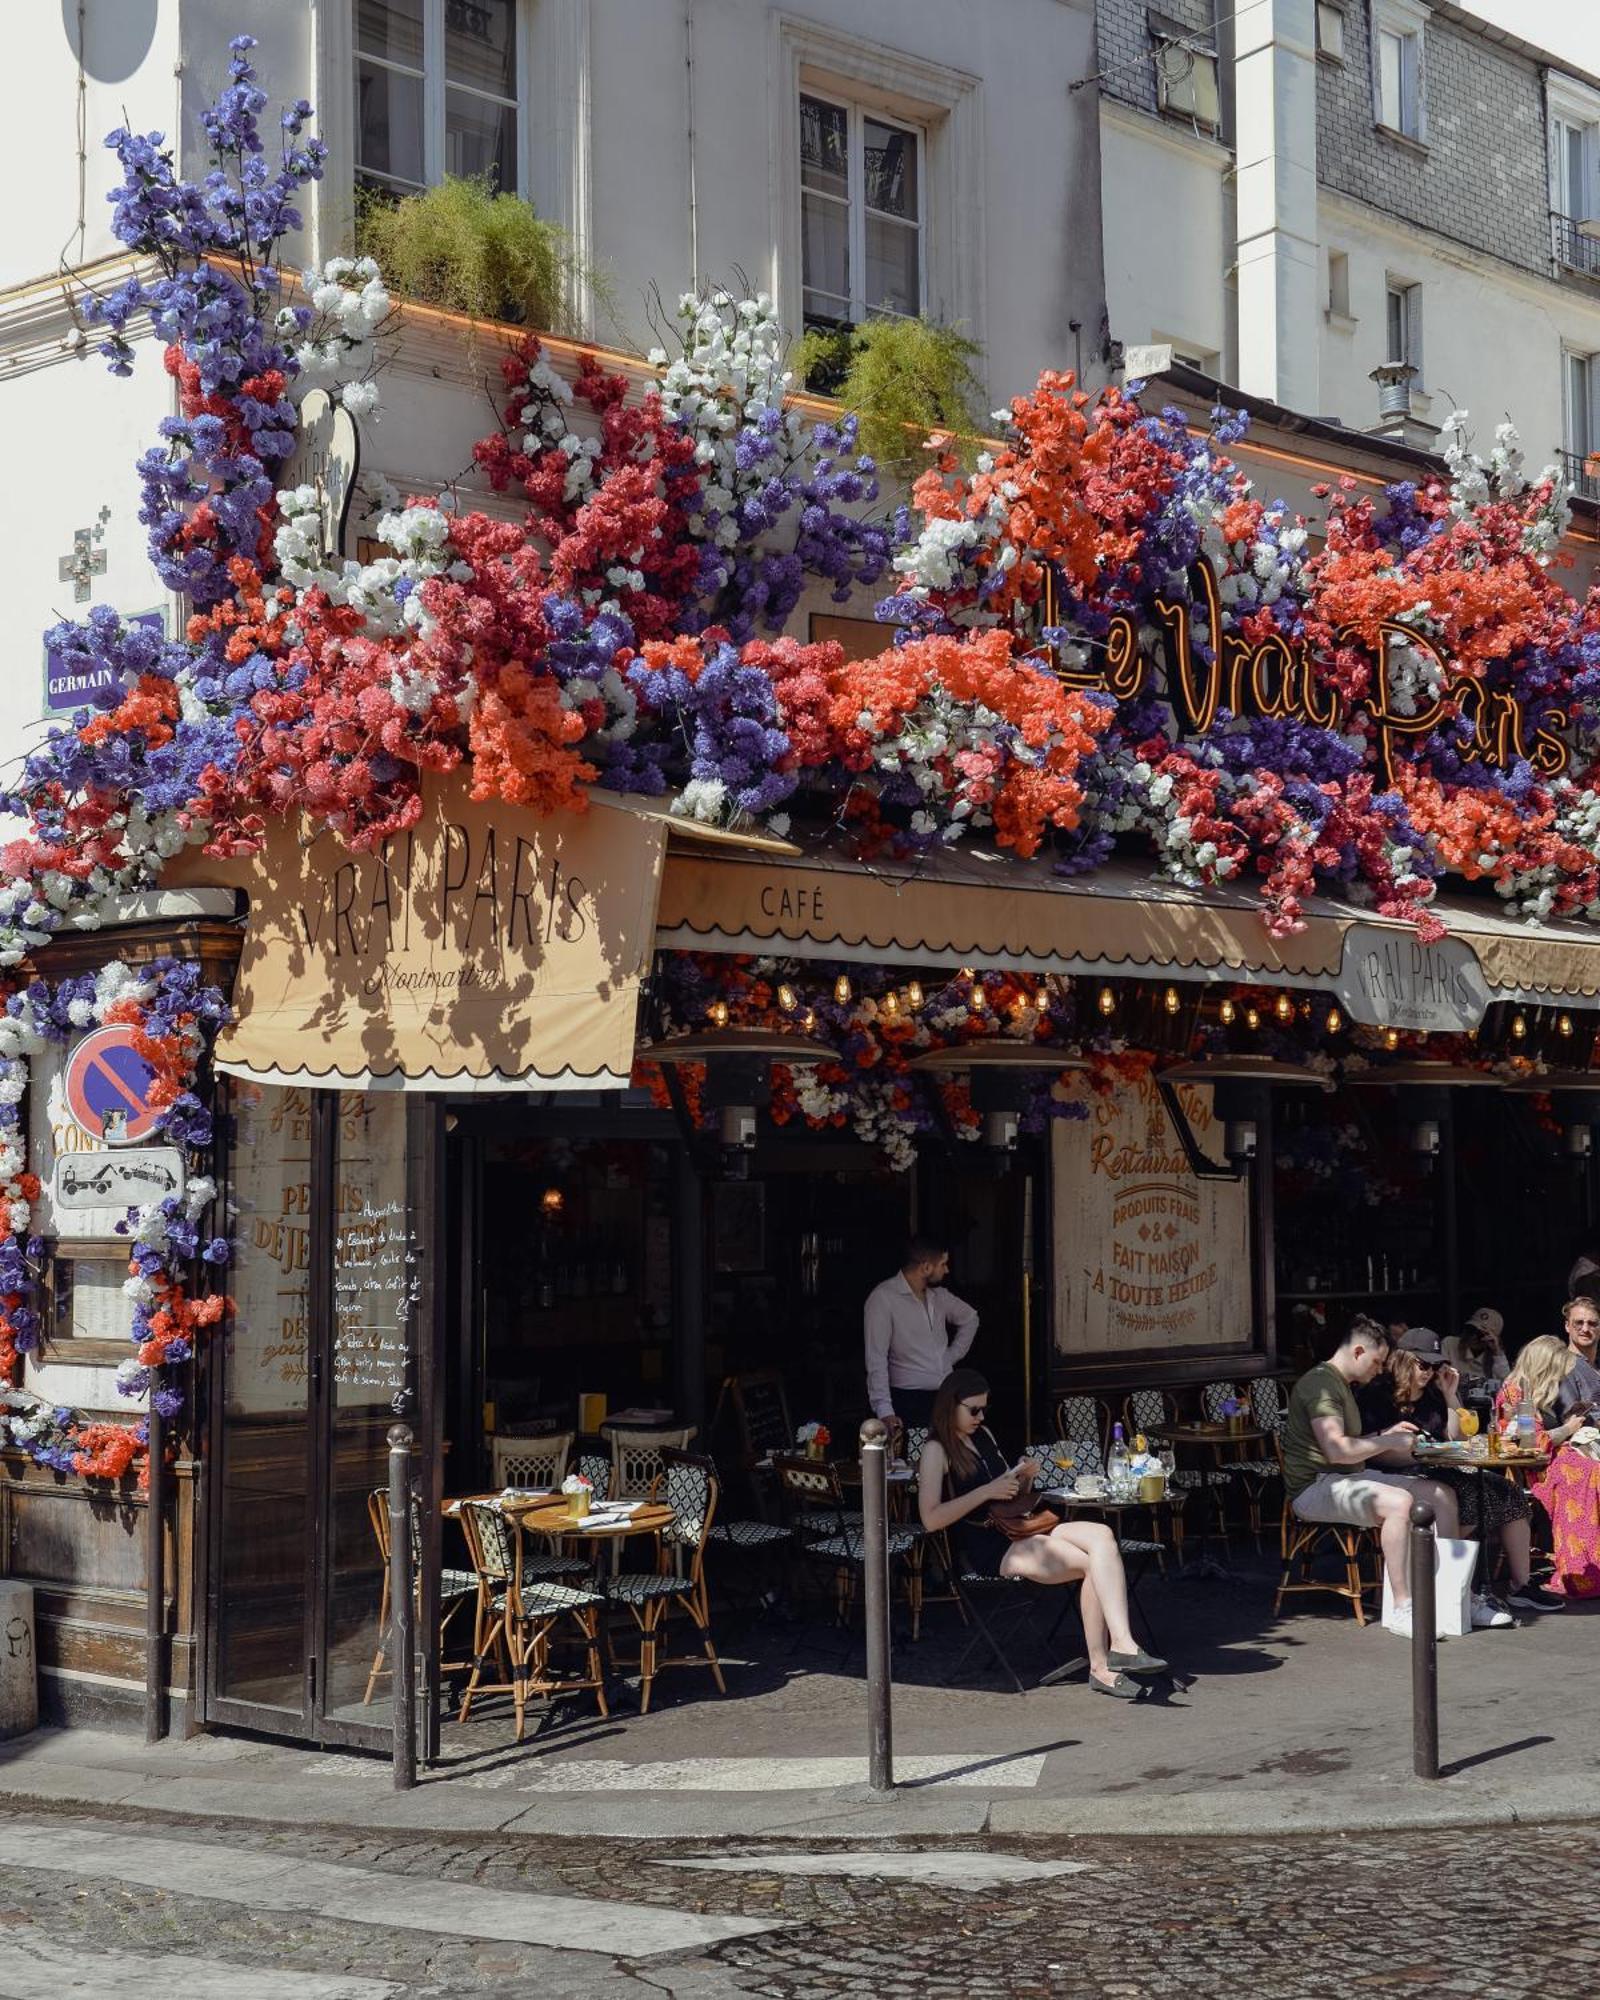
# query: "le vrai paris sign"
x,y
1277,678
482,947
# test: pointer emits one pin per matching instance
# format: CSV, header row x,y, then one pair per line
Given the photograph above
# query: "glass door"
x,y
321,1358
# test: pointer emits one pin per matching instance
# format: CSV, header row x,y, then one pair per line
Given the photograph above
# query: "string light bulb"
x,y
914,995
810,1021
1107,1003
889,1005
1227,1013
717,1013
1284,1007
1519,1027
842,989
786,997
1334,1022
1170,1000
1564,1024
1391,1039
980,998
1252,1019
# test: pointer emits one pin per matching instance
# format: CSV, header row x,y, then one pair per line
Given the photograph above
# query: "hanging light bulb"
x,y
810,1021
980,999
914,995
1563,1024
1334,1022
717,1013
1227,1013
889,1005
1519,1027
1391,1039
1107,1003
1170,1000
842,989
1252,1019
786,997
1284,1007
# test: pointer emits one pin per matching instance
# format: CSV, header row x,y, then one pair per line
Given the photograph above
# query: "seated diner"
x,y
963,1477
1550,1377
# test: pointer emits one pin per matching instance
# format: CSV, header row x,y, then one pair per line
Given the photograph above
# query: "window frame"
x,y
1573,358
436,88
1332,49
1167,34
1409,294
854,199
807,56
1405,21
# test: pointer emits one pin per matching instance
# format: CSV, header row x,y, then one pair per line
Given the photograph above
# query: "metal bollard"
x,y
875,1550
1424,1646
402,1606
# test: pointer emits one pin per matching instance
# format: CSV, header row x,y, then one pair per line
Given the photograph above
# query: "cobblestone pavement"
x,y
1292,1919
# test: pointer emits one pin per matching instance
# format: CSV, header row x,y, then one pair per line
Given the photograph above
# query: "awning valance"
x,y
973,908
483,949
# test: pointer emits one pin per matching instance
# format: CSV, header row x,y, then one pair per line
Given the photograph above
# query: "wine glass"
x,y
1468,1421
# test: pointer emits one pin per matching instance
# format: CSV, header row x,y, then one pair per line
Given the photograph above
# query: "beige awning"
x,y
481,950
973,908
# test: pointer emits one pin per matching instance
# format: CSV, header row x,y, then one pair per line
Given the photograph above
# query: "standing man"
x,y
916,1332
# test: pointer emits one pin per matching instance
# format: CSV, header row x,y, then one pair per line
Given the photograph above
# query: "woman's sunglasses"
x,y
976,1409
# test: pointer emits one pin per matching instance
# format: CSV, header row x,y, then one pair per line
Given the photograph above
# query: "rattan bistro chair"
x,y
532,1462
1253,1475
457,1587
1301,1543
833,1538
520,1616
689,1488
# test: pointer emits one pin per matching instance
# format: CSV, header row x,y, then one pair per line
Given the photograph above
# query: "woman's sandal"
x,y
1122,1688
1140,1662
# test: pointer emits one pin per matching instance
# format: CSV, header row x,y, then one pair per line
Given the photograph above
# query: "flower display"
x,y
173,1015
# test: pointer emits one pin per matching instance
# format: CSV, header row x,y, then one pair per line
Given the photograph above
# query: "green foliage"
x,y
462,246
902,377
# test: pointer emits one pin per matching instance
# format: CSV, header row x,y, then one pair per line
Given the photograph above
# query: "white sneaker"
x,y
1399,1621
1486,1612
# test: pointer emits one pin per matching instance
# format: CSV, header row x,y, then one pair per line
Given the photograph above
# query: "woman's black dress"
x,y
978,1546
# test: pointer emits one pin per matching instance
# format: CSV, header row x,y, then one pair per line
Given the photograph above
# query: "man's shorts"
x,y
1348,1499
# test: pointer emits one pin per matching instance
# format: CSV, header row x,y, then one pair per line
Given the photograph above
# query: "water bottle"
x,y
1527,1428
1117,1464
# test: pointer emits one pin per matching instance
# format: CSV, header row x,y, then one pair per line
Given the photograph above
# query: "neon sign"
x,y
1278,678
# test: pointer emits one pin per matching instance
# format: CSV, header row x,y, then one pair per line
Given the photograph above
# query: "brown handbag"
x,y
1019,1519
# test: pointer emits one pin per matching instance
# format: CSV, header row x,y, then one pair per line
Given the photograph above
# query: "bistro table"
x,y
1472,1455
1224,1441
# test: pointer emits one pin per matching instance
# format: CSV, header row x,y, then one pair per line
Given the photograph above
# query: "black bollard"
x,y
1424,1646
875,1552
402,1609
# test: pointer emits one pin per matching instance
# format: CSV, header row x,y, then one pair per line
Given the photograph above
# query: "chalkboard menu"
x,y
375,1268
264,1346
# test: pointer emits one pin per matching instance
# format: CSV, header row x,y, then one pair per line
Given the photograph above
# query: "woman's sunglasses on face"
x,y
976,1409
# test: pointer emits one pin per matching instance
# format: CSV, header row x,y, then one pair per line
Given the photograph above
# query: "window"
x,y
1330,30
1397,67
1186,73
437,87
1580,422
1338,284
861,220
1574,196
1403,325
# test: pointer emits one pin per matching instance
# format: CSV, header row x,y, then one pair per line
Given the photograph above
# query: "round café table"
x,y
1432,1456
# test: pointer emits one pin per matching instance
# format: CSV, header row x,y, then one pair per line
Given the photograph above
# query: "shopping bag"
x,y
1454,1562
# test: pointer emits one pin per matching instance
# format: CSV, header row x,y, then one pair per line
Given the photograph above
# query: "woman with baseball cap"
x,y
1478,1352
1420,1386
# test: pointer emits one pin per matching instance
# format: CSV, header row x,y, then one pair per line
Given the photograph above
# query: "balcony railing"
x,y
1573,250
1583,473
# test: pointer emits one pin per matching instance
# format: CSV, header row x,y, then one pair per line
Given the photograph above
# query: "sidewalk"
x,y
1298,1725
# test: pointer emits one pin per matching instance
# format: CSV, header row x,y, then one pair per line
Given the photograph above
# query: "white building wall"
x,y
1166,197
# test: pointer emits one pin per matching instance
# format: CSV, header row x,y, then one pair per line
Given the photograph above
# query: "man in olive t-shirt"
x,y
1326,1461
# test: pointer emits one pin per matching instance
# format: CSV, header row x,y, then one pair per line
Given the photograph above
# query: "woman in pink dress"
x,y
1550,1376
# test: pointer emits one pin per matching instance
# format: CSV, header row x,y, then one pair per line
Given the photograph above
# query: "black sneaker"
x,y
1534,1597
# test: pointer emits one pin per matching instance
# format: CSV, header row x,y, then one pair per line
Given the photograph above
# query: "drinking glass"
x,y
1469,1423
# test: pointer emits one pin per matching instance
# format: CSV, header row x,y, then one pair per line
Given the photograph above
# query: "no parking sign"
x,y
108,1085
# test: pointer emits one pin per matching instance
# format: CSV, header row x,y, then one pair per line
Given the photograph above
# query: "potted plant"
x,y
902,378
816,1438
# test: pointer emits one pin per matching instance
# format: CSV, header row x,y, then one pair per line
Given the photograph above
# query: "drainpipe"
x,y
694,199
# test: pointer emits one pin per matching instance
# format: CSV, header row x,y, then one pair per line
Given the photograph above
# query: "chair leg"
x,y
701,1616
647,1653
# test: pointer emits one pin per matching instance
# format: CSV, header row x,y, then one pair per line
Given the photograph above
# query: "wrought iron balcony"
x,y
1573,250
1583,473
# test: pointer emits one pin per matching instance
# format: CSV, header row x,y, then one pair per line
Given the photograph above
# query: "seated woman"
x,y
1549,1375
1419,1386
962,1452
